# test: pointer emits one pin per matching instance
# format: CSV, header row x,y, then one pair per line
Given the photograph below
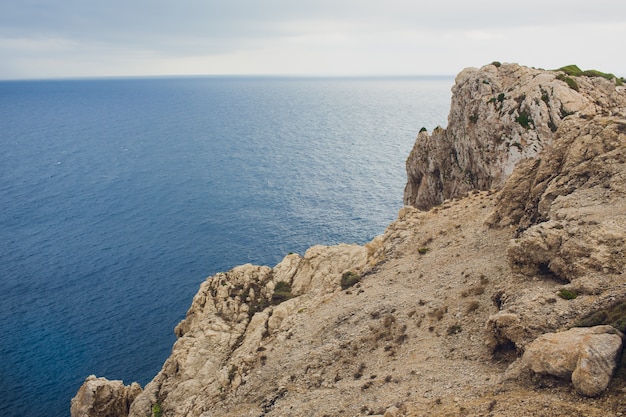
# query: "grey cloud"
x,y
136,31
146,22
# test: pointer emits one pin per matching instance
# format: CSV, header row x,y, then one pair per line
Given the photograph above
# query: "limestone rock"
x,y
524,316
99,397
569,204
498,117
586,355
322,266
222,337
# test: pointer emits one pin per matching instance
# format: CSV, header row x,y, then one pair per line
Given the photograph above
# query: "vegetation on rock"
x,y
348,279
575,71
156,410
569,81
282,292
567,294
524,119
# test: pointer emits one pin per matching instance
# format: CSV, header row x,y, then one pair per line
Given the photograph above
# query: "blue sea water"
x,y
119,196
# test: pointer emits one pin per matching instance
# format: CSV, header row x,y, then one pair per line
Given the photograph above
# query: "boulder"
x,y
99,397
587,355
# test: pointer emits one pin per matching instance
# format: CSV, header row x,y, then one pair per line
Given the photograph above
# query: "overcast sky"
x,y
70,38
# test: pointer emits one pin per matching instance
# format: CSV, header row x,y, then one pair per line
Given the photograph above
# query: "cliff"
x,y
499,115
448,312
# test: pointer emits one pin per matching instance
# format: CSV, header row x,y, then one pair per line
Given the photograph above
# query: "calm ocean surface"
x,y
118,197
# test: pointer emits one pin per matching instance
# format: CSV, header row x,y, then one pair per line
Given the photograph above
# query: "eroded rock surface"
x,y
499,115
222,338
569,204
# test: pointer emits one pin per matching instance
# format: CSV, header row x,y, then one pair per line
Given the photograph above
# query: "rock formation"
x,y
104,398
223,337
499,115
568,203
434,316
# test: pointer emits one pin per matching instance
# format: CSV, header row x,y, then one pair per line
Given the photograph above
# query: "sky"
x,y
102,38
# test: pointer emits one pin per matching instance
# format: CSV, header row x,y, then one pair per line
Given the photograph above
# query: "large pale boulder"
x,y
99,397
321,268
587,355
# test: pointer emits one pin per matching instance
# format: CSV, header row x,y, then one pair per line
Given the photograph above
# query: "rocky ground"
x,y
450,305
414,334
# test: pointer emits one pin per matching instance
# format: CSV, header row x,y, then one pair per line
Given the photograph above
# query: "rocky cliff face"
x,y
500,114
451,311
223,340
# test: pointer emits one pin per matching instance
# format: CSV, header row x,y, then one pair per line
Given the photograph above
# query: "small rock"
x,y
392,411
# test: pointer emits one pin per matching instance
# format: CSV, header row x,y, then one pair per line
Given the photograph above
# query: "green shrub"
x,y
569,81
423,250
282,292
156,410
348,279
496,64
571,70
501,97
574,71
608,76
423,130
524,119
567,294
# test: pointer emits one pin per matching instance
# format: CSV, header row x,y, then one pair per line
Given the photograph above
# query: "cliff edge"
x,y
503,294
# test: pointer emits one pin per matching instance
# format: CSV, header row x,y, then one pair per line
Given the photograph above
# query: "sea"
x,y
119,196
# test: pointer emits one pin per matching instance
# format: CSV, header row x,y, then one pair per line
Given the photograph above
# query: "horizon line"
x,y
173,76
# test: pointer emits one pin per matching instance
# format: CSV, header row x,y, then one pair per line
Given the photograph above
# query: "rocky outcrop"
x,y
569,204
587,356
427,318
499,115
99,397
222,338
